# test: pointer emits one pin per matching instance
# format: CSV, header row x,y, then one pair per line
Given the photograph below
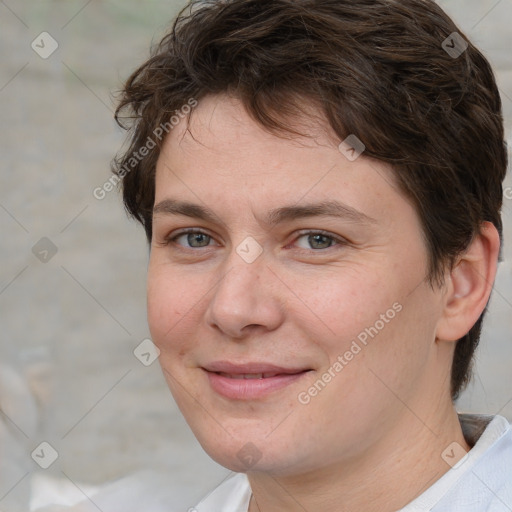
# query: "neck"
x,y
390,474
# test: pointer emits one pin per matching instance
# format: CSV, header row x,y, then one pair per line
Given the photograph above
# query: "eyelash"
x,y
172,239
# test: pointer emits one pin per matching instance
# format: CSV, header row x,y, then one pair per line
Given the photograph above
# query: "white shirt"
x,y
480,482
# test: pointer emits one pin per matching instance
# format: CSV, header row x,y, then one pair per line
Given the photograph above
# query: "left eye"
x,y
315,240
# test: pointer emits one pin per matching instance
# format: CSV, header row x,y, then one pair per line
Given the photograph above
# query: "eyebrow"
x,y
274,217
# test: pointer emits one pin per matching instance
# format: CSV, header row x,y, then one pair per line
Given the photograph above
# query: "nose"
x,y
246,300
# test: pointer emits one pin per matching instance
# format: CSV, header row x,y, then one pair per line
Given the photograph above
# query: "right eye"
x,y
194,238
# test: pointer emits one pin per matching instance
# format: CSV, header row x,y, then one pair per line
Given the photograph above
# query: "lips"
x,y
249,381
252,368
249,375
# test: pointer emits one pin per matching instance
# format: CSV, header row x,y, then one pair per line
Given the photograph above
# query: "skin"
x,y
372,439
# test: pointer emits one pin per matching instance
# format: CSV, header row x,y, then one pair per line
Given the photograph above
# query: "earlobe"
x,y
469,285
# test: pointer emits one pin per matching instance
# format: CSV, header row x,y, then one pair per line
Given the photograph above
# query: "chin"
x,y
253,453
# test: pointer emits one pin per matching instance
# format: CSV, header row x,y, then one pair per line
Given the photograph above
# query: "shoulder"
x,y
482,480
490,479
232,495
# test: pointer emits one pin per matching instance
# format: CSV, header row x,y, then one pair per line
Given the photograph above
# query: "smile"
x,y
245,382
248,375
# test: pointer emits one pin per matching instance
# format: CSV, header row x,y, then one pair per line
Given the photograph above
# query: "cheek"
x,y
399,349
170,307
345,302
369,319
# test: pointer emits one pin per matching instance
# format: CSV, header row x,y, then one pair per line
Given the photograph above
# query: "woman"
x,y
320,183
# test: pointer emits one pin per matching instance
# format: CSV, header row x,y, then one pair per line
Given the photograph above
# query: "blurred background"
x,y
73,395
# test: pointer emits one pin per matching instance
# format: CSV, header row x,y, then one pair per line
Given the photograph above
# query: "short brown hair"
x,y
378,69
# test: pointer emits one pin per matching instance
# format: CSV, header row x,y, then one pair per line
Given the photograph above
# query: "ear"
x,y
469,285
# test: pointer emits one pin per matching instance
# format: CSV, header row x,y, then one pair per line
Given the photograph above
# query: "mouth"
x,y
249,376
252,380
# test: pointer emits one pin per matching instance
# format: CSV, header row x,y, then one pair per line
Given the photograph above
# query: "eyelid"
x,y
340,241
171,238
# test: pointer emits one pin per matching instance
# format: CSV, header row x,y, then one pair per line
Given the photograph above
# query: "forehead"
x,y
221,124
224,153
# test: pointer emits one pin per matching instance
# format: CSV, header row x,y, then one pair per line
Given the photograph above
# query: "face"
x,y
286,293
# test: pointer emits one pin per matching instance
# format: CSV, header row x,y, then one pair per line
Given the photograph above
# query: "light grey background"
x,y
68,375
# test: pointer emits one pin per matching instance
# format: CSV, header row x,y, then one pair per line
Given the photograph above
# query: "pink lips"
x,y
251,380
